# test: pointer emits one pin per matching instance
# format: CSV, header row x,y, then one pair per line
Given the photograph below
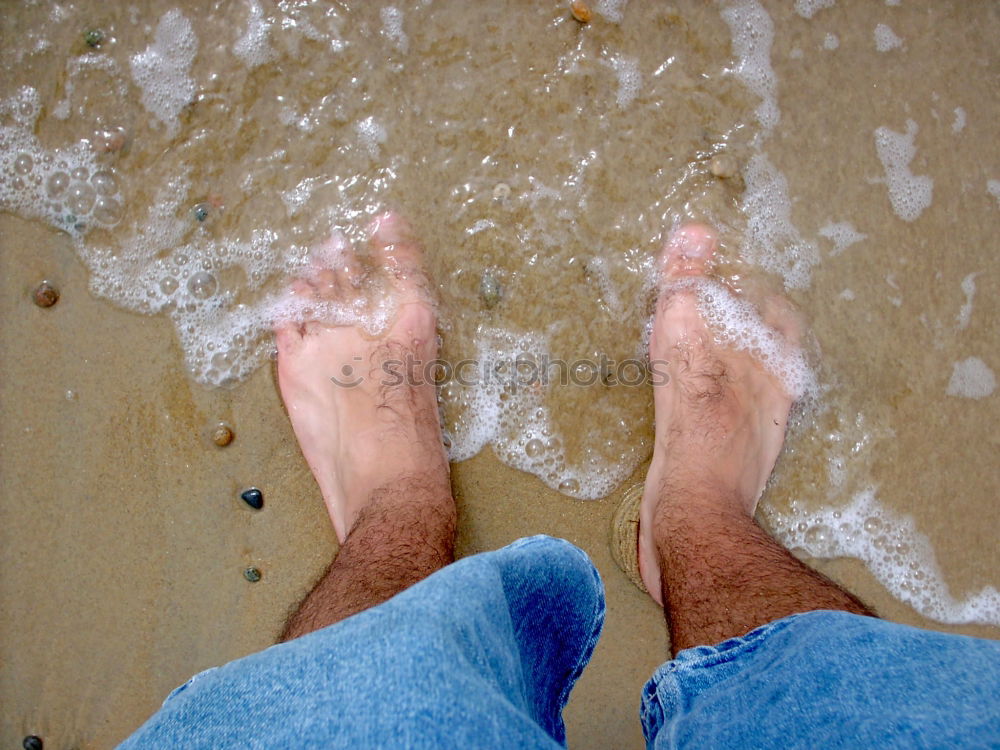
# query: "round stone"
x,y
222,435
45,294
202,211
253,497
252,574
32,742
723,166
580,11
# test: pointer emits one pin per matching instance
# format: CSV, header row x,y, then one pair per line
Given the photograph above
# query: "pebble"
x,y
723,166
253,497
45,295
580,11
93,37
202,210
252,574
490,290
32,742
222,435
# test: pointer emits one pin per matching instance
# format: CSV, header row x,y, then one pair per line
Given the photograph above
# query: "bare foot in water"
x,y
367,430
721,418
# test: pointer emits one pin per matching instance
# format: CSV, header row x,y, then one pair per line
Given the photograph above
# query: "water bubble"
x,y
534,448
107,210
104,183
80,173
569,486
818,535
23,163
872,524
202,285
57,184
80,198
168,285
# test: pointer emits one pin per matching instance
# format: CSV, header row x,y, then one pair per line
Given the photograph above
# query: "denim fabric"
x,y
828,680
481,654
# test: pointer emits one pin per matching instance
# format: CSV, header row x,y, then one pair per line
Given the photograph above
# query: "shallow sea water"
x,y
543,162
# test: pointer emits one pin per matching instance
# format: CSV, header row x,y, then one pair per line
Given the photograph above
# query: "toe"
x,y
394,245
688,251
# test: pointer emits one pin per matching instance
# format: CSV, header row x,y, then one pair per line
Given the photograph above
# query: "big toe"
x,y
688,251
393,243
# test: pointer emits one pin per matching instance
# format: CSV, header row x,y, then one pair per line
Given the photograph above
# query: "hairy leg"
x,y
369,430
720,424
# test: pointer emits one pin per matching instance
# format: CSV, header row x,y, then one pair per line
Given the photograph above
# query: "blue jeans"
x,y
484,653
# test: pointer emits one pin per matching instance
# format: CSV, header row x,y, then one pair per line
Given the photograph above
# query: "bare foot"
x,y
721,418
361,423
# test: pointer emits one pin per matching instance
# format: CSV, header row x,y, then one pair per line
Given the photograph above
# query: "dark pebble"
x,y
32,742
252,574
93,37
254,498
201,211
45,295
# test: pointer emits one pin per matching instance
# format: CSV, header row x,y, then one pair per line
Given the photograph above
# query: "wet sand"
x,y
123,539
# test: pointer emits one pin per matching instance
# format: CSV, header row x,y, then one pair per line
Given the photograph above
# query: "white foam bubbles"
x,y
965,313
163,69
891,547
993,188
809,8
753,35
843,234
613,10
501,400
392,28
253,48
738,324
371,133
831,41
909,194
65,187
958,124
771,240
629,78
886,39
971,378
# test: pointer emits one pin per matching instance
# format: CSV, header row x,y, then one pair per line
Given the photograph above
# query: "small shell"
x,y
501,192
45,295
580,10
